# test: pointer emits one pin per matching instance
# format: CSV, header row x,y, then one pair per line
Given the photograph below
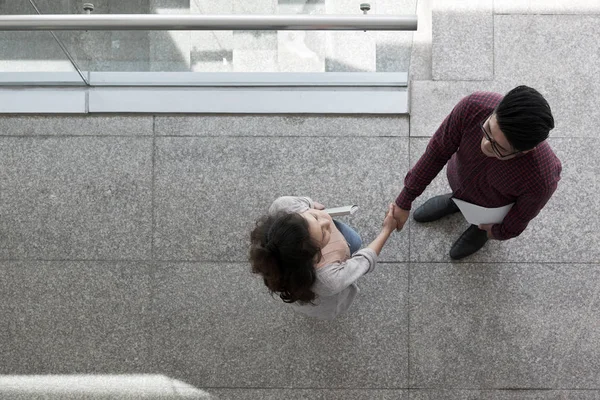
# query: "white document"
x,y
338,211
480,215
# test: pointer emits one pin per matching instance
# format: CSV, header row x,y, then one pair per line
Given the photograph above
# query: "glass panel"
x,y
236,51
349,51
104,50
27,54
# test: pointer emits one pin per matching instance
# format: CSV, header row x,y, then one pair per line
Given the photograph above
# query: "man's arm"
x,y
526,208
441,147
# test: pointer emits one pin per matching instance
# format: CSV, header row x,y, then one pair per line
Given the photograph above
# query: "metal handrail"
x,y
208,22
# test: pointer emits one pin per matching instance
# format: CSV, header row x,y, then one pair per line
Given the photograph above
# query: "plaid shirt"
x,y
528,180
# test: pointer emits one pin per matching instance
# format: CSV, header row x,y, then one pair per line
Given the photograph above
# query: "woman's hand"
x,y
318,206
389,223
400,215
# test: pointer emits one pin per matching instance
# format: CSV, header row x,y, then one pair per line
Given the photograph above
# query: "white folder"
x,y
481,215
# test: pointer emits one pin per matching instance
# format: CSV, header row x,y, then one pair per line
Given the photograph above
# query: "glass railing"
x,y
33,57
104,51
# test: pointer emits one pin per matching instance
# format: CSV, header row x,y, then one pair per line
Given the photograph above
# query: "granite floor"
x,y
123,251
123,240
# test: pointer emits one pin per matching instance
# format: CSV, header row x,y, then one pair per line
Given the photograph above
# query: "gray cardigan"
x,y
335,286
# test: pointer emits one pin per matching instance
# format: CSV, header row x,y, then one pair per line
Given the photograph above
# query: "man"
x,y
497,154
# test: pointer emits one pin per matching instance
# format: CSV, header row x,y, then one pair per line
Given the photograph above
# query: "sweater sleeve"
x,y
292,204
338,276
526,208
441,147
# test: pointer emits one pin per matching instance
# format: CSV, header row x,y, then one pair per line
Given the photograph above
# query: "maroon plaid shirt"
x,y
528,180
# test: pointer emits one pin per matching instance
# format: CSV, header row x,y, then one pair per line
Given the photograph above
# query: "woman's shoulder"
x,y
297,204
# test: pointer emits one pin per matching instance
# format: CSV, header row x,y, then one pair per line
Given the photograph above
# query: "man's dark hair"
x,y
524,117
284,254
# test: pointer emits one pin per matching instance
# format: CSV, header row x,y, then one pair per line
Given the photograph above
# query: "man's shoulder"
x,y
483,100
546,157
545,166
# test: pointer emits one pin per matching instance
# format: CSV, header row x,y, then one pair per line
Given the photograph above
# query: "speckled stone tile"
x,y
559,56
558,233
546,7
256,125
420,57
209,191
529,394
7,313
431,102
463,40
75,198
215,326
76,125
504,325
312,394
77,317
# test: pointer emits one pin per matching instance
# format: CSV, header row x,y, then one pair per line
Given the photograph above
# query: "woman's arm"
x,y
338,277
389,224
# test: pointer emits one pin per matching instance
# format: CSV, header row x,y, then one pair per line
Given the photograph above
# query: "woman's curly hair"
x,y
284,254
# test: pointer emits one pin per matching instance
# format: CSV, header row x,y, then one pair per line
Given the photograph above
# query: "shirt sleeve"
x,y
337,277
526,208
441,147
292,204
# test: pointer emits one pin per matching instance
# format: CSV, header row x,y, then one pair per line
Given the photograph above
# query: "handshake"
x,y
395,218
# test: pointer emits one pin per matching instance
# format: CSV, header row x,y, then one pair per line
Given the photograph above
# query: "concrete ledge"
x,y
221,93
248,79
41,101
247,101
41,79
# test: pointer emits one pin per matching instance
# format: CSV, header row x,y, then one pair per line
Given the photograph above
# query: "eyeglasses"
x,y
494,144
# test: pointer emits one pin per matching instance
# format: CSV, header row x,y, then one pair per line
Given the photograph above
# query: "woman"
x,y
310,260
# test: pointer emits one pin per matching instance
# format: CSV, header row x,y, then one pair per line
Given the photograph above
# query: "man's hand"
x,y
400,215
318,206
488,229
389,223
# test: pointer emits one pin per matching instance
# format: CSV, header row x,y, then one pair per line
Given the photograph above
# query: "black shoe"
x,y
435,208
468,243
